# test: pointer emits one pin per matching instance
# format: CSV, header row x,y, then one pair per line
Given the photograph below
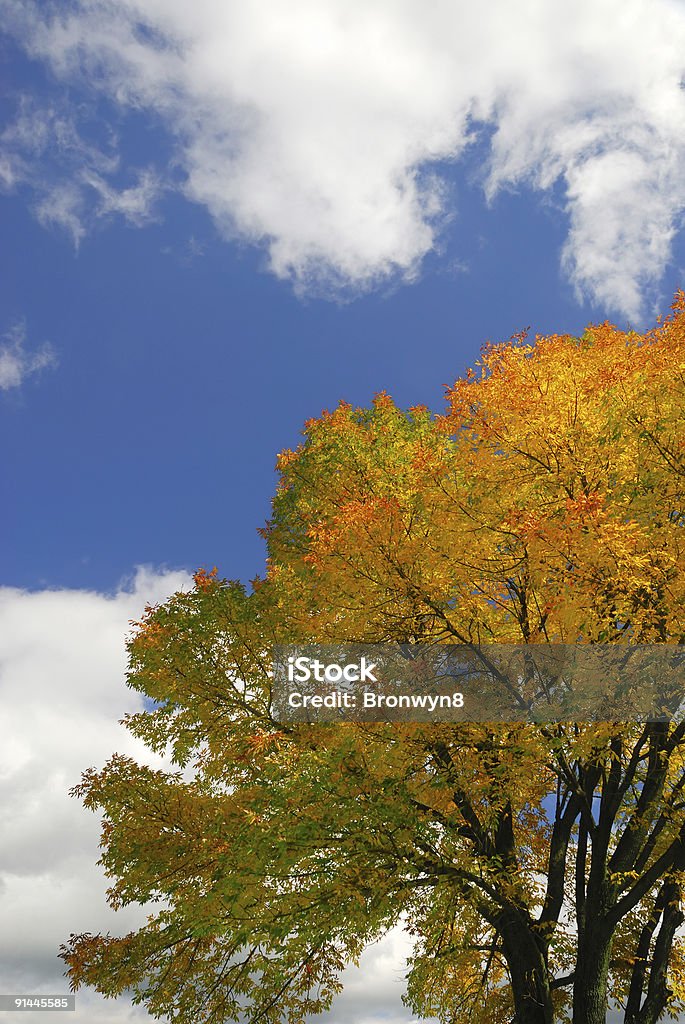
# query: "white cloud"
x,y
72,181
134,203
16,364
62,694
313,128
373,991
62,206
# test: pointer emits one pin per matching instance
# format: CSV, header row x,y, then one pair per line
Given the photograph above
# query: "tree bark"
x,y
592,973
530,980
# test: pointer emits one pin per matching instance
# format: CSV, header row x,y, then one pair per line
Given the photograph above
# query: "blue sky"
x,y
220,218
179,378
181,362
183,366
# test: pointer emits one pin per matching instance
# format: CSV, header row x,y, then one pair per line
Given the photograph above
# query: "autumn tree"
x,y
538,867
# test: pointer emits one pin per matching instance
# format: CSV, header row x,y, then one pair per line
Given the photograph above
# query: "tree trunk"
x,y
591,976
529,974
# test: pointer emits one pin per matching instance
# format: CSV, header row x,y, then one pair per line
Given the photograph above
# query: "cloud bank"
x,y
322,131
62,693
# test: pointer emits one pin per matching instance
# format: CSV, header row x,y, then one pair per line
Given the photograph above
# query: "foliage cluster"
x,y
539,869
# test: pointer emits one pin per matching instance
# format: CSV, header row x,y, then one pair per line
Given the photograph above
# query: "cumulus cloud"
x,y
62,694
16,364
321,130
373,991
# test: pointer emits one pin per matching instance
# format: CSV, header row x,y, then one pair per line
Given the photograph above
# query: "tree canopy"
x,y
538,868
